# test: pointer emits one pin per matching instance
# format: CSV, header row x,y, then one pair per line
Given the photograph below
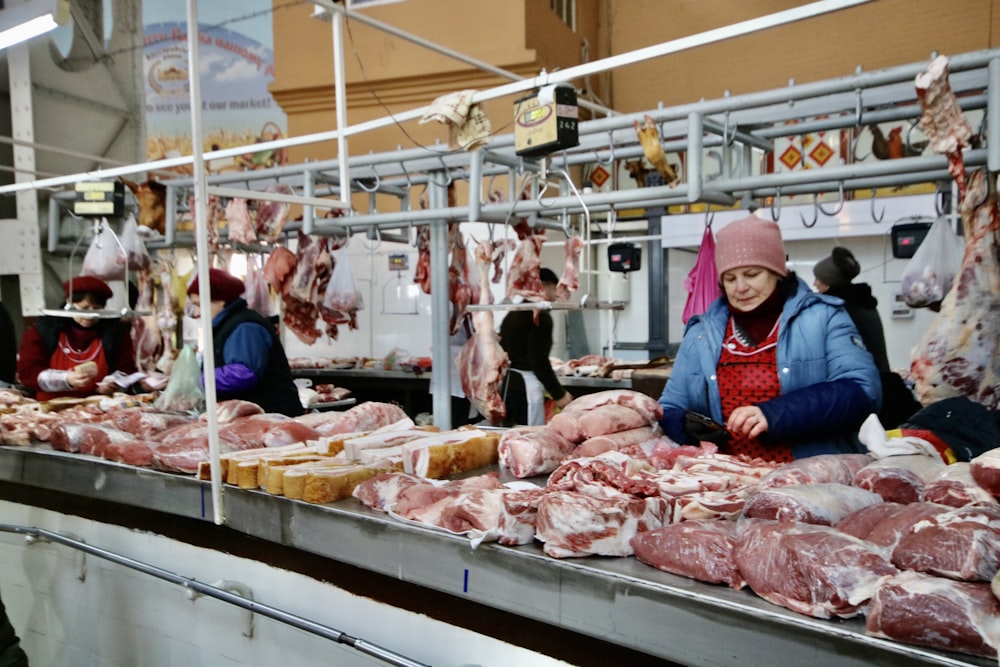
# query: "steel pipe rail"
x,y
361,645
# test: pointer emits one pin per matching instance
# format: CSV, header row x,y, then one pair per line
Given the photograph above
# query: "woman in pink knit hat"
x,y
779,367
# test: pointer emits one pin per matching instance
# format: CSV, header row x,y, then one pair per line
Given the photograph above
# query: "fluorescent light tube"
x,y
27,30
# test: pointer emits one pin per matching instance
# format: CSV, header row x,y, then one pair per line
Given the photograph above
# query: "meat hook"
x,y
776,212
840,206
709,217
447,172
611,152
877,218
859,107
910,148
727,138
373,188
812,223
579,197
854,146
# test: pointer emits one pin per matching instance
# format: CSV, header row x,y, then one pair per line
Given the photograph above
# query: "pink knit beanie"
x,y
750,242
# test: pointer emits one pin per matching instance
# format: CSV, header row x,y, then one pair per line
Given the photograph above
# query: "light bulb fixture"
x,y
21,21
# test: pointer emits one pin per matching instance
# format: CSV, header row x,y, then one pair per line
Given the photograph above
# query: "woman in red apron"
x,y
63,356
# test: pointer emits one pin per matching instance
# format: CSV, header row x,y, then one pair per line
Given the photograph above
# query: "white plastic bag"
x,y
258,294
342,292
184,391
138,256
105,258
930,272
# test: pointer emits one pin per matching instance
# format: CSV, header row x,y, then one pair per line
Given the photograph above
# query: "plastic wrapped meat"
x,y
985,469
272,215
532,450
814,570
574,525
955,486
824,504
962,543
938,613
828,468
899,479
701,550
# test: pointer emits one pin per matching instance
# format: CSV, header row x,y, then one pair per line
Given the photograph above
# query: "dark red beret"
x,y
221,286
87,284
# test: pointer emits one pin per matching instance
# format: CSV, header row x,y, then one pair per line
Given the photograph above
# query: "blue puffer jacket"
x,y
829,382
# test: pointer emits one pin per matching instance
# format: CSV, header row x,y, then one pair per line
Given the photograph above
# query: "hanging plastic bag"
x,y
702,282
105,259
929,273
138,256
342,292
258,294
184,392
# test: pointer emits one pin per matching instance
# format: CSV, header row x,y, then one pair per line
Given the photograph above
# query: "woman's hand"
x,y
747,420
82,375
564,401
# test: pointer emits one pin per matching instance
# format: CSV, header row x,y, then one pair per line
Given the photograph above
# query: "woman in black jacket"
x,y
833,276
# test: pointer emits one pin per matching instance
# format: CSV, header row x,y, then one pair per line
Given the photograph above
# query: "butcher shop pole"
x,y
201,243
440,351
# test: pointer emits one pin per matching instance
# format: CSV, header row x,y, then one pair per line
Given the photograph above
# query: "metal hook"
x,y
854,146
373,188
910,148
776,213
406,174
576,193
373,232
727,139
447,172
812,223
611,152
876,218
709,218
859,108
840,206
939,196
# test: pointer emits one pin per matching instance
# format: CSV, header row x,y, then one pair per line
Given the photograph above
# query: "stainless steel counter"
x,y
619,600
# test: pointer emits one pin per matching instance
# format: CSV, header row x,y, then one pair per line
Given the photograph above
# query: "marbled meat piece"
x,y
86,438
899,479
609,418
143,423
279,269
615,442
382,491
930,611
955,486
228,410
605,476
532,450
574,525
366,416
701,550
813,570
962,543
241,226
825,468
985,469
518,516
860,523
887,533
134,452
823,504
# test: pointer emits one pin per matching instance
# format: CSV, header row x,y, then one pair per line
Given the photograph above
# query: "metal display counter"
x,y
618,600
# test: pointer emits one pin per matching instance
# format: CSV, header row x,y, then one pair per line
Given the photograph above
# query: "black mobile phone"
x,y
703,427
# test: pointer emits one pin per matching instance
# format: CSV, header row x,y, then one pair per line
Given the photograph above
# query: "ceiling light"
x,y
25,20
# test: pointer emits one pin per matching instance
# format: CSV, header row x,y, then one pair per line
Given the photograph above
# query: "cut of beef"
x,y
824,504
962,543
574,525
532,450
955,486
701,550
930,611
899,479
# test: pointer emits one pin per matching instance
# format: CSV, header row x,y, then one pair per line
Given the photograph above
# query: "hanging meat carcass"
x,y
523,279
960,353
482,362
569,282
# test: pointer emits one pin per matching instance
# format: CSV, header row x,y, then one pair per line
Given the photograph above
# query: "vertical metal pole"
x,y
440,351
340,90
204,261
694,157
29,252
993,117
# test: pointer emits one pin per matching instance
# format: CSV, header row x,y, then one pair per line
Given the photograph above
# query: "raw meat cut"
x,y
133,452
814,570
899,479
832,468
522,278
930,611
955,486
985,469
860,523
960,353
518,516
241,227
610,418
701,550
382,491
279,269
728,505
461,292
143,423
422,274
86,438
272,215
618,441
604,476
888,532
532,450
366,416
568,423
941,117
823,503
227,411
569,281
482,362
962,543
574,525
